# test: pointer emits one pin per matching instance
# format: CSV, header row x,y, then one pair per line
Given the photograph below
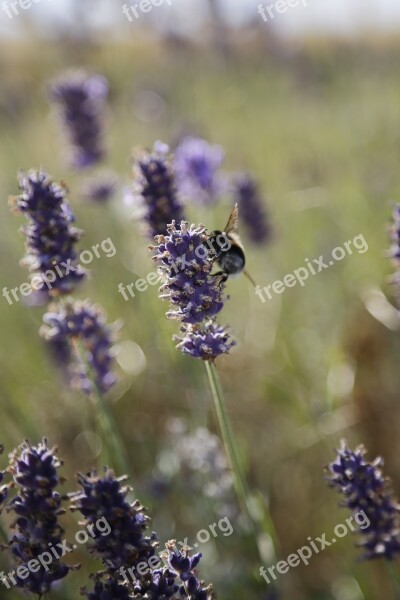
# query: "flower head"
x,y
83,327
197,165
108,588
81,99
184,565
185,262
365,488
155,187
250,205
100,189
50,235
37,507
126,544
206,342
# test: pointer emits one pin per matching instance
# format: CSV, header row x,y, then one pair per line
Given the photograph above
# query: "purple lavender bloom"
x,y
395,235
37,507
100,189
184,565
206,342
155,186
194,294
197,164
251,210
160,585
366,490
81,99
109,589
50,236
126,543
83,327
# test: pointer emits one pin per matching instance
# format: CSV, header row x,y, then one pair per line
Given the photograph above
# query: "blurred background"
x,y
309,103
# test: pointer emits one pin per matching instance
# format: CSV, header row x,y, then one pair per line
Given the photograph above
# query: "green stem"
x,y
246,499
115,448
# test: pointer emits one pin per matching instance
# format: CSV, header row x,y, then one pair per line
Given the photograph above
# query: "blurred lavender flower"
x,y
81,99
196,460
105,498
186,265
206,342
394,252
197,165
100,189
155,186
37,507
395,236
365,488
82,327
251,210
50,236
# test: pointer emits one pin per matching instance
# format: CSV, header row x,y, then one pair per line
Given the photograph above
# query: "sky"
x,y
326,16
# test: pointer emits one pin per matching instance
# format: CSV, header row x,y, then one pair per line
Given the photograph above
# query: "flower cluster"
x,y
82,328
192,291
50,236
251,210
365,488
156,189
206,343
127,545
105,497
196,296
37,507
197,165
81,98
177,580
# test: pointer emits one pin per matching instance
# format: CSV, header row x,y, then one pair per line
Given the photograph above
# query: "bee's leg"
x,y
222,276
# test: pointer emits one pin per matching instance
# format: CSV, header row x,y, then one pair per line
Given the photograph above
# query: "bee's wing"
x,y
232,225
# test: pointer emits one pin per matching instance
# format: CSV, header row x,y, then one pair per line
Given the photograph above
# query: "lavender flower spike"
x,y
50,236
81,327
81,99
197,165
366,490
185,263
37,507
205,342
251,210
105,498
155,187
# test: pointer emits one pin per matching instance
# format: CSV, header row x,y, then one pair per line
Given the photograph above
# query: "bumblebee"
x,y
232,260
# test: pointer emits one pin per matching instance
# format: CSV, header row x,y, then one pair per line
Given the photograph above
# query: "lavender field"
x,y
235,406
